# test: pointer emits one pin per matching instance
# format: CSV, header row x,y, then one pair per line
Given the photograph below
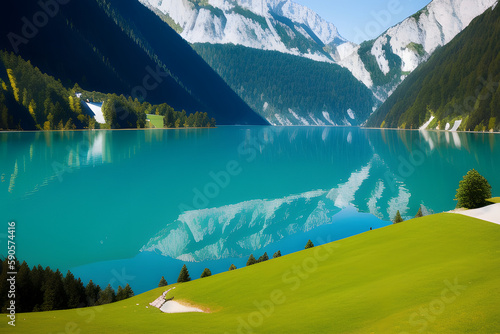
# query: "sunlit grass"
x,y
437,274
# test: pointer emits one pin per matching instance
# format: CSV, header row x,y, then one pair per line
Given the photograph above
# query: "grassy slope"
x,y
156,120
375,282
494,200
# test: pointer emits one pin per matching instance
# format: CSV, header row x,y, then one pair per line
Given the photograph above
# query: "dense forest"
x,y
124,49
32,100
40,289
459,82
272,82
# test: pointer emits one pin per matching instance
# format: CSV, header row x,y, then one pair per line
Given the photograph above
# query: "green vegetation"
x,y
442,267
176,119
183,275
459,81
419,213
232,267
397,218
251,15
40,289
251,260
155,121
206,273
277,254
166,18
121,113
473,191
371,65
163,282
494,200
124,293
263,258
294,39
309,244
417,48
32,100
272,82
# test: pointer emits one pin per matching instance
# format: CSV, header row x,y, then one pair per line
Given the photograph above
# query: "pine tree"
x,y
473,191
107,296
92,293
183,275
419,213
232,267
263,258
163,282
309,244
119,293
398,219
74,289
124,293
24,288
206,273
277,254
251,260
128,291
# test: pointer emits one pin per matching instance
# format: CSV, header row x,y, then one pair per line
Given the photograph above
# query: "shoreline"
x,y
82,130
248,125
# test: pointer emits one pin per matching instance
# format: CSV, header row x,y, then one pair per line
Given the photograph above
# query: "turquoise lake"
x,y
141,203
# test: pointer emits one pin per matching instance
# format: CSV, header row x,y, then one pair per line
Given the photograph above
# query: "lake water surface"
x,y
89,200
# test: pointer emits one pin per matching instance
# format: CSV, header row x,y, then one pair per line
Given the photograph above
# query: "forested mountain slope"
x,y
290,90
459,82
119,47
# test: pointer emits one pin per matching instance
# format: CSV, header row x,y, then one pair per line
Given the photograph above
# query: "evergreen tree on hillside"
x,y
124,293
24,289
92,293
309,244
163,282
277,254
473,191
263,258
251,260
75,291
419,213
206,273
107,296
183,275
232,267
398,219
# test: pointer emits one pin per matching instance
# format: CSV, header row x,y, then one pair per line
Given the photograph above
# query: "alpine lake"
x,y
131,206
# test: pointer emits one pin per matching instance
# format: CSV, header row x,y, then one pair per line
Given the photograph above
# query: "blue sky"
x,y
359,20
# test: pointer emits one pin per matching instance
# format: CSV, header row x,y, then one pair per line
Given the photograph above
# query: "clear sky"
x,y
359,20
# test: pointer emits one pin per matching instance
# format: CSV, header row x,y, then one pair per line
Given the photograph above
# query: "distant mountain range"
x,y
119,47
284,26
457,88
269,61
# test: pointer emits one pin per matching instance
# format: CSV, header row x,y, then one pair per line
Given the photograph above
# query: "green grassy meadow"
x,y
436,274
156,120
494,200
